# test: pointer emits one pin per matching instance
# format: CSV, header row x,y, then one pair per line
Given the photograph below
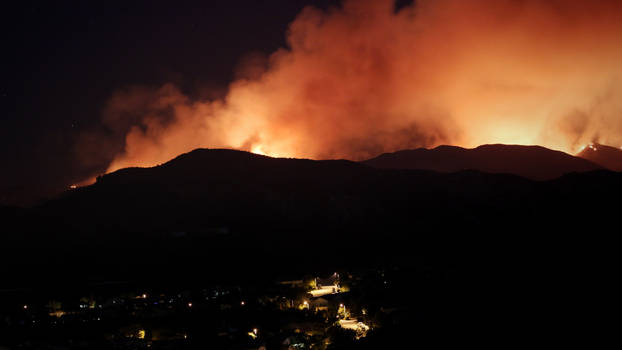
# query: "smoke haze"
x,y
362,79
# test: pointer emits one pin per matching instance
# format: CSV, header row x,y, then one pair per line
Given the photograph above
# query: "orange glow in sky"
x,y
361,80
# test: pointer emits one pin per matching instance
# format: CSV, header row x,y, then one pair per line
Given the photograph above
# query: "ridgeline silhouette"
x,y
606,156
532,162
234,203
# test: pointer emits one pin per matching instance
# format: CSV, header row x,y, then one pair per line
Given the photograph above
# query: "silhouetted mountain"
x,y
237,198
533,162
606,156
214,188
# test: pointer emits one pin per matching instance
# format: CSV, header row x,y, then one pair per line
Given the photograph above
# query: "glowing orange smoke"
x,y
360,80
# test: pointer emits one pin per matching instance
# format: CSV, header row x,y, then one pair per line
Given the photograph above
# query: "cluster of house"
x,y
326,296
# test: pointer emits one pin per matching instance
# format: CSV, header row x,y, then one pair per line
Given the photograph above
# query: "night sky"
x,y
62,60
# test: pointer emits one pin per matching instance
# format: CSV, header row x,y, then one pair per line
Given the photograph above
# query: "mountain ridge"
x,y
210,206
607,156
532,162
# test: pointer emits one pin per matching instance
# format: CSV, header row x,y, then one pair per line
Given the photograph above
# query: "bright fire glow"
x,y
258,149
362,79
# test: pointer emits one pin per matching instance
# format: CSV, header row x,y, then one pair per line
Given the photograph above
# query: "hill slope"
x,y
215,188
606,156
533,162
207,206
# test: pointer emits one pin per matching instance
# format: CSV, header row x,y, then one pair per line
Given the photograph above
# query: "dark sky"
x,y
62,60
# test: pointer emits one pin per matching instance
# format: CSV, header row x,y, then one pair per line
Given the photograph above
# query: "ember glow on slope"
x,y
362,79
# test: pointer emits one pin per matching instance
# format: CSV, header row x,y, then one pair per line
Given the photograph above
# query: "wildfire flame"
x,y
258,149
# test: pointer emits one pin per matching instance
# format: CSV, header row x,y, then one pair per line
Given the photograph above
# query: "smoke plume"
x,y
362,78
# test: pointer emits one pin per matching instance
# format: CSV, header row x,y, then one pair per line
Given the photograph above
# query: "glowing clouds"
x,y
360,80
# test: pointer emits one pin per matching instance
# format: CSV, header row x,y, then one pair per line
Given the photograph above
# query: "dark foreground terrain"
x,y
478,258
